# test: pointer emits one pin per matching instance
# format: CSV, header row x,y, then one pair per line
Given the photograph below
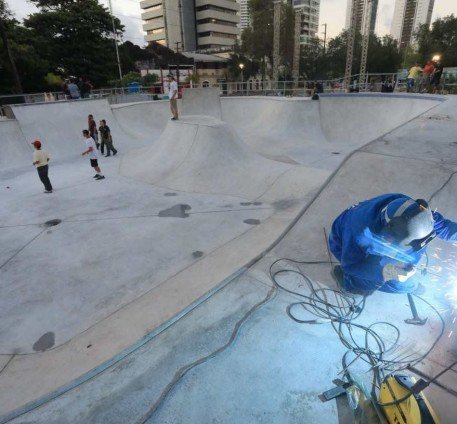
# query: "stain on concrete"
x,y
284,204
246,203
252,221
257,203
52,222
176,211
49,232
227,206
197,254
170,194
45,342
335,153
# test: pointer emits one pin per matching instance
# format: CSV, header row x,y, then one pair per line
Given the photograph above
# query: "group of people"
x,y
426,79
77,89
41,157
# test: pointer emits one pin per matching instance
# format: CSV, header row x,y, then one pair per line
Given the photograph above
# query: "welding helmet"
x,y
408,223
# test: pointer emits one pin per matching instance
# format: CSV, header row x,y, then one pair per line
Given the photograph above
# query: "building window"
x,y
216,22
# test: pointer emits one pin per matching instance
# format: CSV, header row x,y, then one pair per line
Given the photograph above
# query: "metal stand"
x,y
415,320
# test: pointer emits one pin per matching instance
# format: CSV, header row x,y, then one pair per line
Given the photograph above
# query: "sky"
x,y
333,12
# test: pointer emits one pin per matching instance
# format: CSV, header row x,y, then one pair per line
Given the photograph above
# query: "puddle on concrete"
x,y
252,221
170,194
52,222
284,204
45,342
197,254
176,211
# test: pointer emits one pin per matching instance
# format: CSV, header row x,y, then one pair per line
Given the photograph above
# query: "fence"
x,y
372,83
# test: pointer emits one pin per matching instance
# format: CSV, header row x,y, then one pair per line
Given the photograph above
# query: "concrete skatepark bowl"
x,y
109,288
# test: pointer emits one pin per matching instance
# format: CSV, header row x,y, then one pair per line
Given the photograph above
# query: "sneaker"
x,y
100,177
107,156
96,176
173,119
115,153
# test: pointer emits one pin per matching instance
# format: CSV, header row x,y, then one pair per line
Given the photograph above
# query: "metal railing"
x,y
252,87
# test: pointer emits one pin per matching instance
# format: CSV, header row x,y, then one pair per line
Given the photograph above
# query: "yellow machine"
x,y
402,405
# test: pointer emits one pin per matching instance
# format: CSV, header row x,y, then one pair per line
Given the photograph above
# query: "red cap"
x,y
37,143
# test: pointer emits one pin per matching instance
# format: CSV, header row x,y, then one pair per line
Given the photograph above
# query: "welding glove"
x,y
393,272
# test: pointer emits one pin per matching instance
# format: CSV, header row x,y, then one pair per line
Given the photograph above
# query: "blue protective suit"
x,y
355,243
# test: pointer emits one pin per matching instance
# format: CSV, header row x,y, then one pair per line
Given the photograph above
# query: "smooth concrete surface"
x,y
14,146
135,259
202,101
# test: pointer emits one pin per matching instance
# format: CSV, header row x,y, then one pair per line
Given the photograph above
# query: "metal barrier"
x,y
252,87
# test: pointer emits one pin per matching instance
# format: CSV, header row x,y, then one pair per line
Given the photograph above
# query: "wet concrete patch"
x,y
197,254
257,203
170,194
284,204
246,203
52,222
252,221
176,211
45,342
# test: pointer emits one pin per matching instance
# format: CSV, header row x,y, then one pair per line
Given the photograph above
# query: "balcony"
x,y
153,25
148,3
218,28
226,4
152,14
214,14
212,40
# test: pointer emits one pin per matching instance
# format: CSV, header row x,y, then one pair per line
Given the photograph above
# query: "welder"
x,y
380,242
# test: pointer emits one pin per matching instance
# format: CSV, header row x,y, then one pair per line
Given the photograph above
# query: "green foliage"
x,y
441,39
76,37
257,40
129,78
54,81
149,79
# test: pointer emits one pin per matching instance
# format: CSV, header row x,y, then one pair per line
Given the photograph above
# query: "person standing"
x,y
73,90
106,139
92,151
40,160
436,77
92,126
427,76
413,76
173,95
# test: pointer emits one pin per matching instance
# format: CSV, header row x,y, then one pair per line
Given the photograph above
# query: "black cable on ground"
x,y
340,312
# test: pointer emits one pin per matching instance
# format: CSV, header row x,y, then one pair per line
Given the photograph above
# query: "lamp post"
x,y
241,65
325,35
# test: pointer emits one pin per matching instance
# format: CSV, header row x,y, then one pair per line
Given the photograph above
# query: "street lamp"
x,y
241,65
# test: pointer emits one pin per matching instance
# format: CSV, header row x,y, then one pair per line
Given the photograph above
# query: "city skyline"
x,y
332,12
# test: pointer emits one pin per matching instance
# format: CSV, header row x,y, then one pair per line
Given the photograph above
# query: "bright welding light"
x,y
436,58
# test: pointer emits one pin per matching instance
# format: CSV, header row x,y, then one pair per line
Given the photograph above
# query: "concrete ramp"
x,y
202,101
144,120
360,118
59,124
204,155
16,149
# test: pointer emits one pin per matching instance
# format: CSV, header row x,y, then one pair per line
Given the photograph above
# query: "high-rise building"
x,y
309,18
408,16
360,22
245,16
191,25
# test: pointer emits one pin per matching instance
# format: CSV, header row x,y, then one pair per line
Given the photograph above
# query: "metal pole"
x,y
296,57
350,46
325,35
276,39
115,40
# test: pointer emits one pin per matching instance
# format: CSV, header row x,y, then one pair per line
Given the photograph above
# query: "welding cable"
x,y
341,314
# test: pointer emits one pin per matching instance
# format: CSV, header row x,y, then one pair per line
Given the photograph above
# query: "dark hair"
x,y
85,132
104,121
90,116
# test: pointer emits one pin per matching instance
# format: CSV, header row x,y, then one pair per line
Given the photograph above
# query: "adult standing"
x,y
173,95
427,76
437,73
73,90
40,160
413,77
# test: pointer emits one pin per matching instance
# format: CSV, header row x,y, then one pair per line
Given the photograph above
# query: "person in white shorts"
x,y
92,151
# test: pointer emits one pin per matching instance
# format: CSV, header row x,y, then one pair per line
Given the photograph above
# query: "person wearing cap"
x,y
173,95
40,160
380,241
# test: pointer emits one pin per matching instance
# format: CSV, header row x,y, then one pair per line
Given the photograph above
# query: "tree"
x,y
441,39
257,40
5,21
76,37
